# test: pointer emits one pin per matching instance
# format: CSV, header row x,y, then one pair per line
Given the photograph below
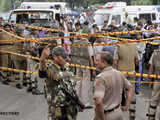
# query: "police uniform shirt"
x,y
109,85
155,60
126,54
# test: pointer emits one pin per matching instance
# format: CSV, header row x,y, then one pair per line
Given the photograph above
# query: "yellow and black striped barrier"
x,y
88,67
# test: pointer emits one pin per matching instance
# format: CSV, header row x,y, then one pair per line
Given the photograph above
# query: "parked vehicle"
x,y
117,11
39,12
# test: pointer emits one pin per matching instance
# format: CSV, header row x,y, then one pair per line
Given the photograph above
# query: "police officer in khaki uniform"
x,y
108,88
18,60
32,65
124,60
155,100
5,57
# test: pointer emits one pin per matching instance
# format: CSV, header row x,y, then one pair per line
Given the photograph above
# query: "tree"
x,y
155,2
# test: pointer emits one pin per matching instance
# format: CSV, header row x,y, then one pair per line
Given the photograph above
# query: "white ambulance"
x,y
117,10
39,12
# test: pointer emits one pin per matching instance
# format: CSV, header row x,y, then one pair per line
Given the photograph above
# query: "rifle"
x,y
74,99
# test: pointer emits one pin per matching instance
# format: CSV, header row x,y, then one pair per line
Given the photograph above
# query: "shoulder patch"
x,y
99,75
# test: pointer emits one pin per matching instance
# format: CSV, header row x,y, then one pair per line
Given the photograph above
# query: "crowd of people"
x,y
113,92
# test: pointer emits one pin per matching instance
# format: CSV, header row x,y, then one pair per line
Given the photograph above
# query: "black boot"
x,y
29,89
25,84
132,118
6,82
19,86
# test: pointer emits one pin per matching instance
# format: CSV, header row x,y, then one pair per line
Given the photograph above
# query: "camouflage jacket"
x,y
156,60
57,79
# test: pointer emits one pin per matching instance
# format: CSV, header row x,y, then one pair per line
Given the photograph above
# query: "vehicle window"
x,y
29,17
13,18
153,16
146,16
117,19
40,15
100,18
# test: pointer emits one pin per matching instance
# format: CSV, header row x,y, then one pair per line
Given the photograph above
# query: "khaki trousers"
x,y
115,115
154,101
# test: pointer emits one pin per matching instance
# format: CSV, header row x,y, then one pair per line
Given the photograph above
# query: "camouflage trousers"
x,y
132,107
154,101
62,113
32,78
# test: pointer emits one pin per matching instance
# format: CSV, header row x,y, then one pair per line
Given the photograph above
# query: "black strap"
x,y
153,107
149,115
133,102
132,110
111,110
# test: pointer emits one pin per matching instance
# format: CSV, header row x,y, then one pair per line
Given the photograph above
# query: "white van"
x,y
117,10
39,12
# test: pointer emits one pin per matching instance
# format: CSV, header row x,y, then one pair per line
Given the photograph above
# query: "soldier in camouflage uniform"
x,y
154,66
58,80
32,65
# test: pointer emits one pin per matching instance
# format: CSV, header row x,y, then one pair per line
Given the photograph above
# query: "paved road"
x,y
35,108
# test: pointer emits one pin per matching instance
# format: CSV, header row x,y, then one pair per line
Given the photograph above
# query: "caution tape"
x,y
153,43
18,37
145,82
35,27
101,44
87,67
30,72
16,70
89,35
37,58
141,75
26,56
38,28
42,40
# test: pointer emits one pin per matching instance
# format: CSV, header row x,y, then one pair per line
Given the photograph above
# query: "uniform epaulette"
x,y
99,75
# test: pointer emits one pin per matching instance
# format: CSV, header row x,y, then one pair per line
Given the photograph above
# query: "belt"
x,y
111,110
1,44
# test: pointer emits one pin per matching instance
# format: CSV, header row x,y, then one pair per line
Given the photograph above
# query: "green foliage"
x,y
5,5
